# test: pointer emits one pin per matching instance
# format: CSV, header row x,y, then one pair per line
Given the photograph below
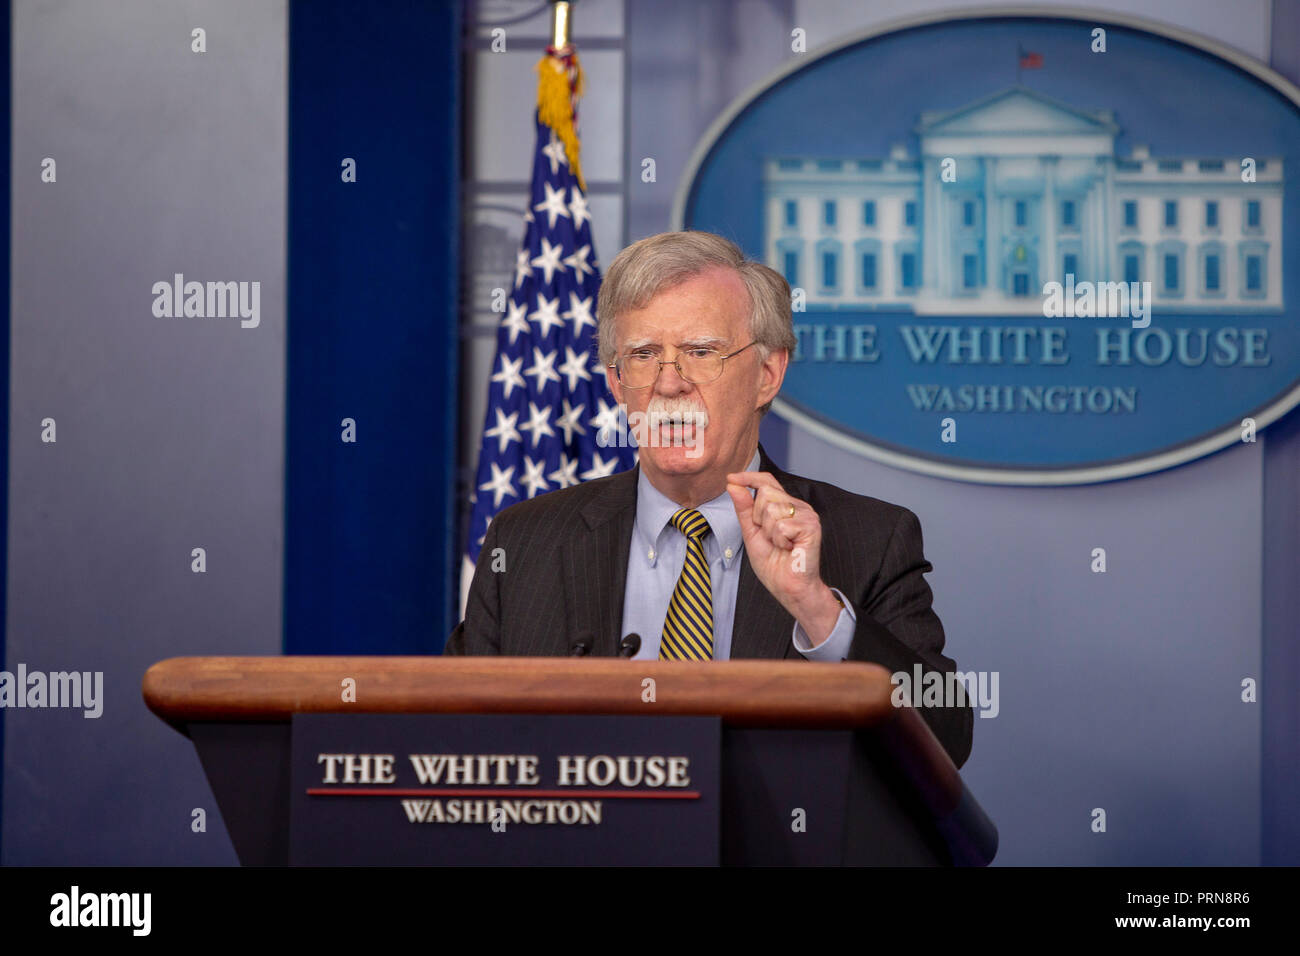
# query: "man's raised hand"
x,y
783,539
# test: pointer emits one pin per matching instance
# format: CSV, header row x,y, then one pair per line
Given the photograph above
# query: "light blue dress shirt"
x,y
655,563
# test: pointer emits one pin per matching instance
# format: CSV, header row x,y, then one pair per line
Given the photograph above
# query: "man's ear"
x,y
615,386
771,374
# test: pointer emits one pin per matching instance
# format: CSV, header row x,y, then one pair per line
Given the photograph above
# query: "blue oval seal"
x,y
1023,249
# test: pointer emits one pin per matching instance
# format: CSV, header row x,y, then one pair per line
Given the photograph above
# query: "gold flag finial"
x,y
561,18
560,83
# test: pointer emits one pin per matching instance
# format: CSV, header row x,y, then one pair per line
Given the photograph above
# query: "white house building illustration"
x,y
1038,194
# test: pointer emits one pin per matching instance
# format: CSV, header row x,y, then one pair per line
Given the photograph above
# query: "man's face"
x,y
709,311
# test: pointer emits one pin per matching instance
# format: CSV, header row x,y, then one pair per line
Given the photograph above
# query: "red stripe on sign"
x,y
442,792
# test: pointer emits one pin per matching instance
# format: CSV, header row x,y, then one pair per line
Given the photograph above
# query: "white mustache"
x,y
676,411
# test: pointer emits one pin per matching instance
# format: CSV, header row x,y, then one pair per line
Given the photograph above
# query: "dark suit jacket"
x,y
566,556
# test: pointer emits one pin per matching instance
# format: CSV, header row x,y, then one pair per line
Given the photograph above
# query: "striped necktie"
x,y
688,628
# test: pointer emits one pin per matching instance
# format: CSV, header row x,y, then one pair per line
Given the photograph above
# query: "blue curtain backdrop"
x,y
372,327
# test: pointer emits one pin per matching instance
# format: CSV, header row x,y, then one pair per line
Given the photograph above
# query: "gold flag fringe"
x,y
559,87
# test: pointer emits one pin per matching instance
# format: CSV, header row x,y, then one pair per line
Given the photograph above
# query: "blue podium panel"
x,y
430,789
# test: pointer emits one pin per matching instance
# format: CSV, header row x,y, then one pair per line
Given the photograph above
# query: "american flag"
x,y
1027,60
547,398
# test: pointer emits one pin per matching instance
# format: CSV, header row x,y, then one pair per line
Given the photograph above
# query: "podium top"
x,y
744,693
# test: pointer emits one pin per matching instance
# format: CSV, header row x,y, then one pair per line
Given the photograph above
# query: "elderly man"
x,y
706,549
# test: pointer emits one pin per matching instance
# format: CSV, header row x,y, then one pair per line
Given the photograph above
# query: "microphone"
x,y
629,645
581,647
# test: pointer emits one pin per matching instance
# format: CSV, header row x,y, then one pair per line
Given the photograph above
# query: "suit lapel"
x,y
595,557
761,626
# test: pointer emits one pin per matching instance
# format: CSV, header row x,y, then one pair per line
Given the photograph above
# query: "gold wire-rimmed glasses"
x,y
640,368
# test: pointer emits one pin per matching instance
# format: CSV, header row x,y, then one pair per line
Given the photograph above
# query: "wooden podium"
x,y
889,793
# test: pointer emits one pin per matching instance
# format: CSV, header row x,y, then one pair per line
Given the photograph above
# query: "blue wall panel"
x,y
372,327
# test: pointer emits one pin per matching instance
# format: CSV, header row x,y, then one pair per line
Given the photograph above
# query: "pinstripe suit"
x,y
566,556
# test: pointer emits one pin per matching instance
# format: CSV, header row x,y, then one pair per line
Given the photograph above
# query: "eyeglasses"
x,y
640,368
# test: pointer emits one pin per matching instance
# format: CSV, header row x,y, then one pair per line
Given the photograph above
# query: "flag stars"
x,y
600,468
539,422
532,479
542,369
553,205
566,475
547,314
574,367
568,422
515,320
500,485
554,151
578,263
522,269
579,312
606,418
505,431
578,207
510,376
549,260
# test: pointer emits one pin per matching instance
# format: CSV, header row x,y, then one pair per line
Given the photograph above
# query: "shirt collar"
x,y
654,508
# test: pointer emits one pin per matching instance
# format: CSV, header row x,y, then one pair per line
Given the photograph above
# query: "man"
x,y
706,549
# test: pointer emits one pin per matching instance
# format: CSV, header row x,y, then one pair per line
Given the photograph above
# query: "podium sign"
x,y
507,789
481,760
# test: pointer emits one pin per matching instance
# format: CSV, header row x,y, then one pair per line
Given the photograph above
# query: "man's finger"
x,y
782,538
775,511
755,480
744,505
770,506
760,507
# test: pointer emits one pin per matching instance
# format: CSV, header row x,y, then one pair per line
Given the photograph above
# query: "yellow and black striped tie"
x,y
688,628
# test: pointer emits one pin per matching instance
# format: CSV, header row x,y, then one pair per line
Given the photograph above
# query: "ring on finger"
x,y
791,514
